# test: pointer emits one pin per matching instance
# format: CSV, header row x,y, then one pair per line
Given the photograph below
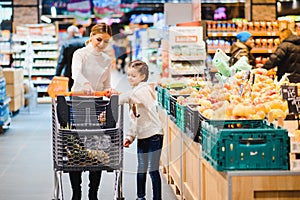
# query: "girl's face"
x,y
134,77
100,41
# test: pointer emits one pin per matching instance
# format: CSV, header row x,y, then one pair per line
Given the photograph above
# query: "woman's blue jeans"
x,y
149,152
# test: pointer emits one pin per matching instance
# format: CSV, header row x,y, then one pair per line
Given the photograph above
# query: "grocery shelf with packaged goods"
x,y
37,47
222,34
5,33
187,53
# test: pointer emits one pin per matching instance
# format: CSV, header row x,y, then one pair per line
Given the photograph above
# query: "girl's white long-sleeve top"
x,y
148,122
91,66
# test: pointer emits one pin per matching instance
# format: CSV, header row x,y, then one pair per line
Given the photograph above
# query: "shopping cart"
x,y
87,136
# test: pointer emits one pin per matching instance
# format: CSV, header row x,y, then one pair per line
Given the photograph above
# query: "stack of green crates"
x,y
160,95
245,145
166,100
180,116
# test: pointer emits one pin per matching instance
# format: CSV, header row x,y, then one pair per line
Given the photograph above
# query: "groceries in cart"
x,y
85,151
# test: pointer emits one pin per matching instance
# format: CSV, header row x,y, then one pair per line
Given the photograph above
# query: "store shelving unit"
x,y
5,49
40,42
187,52
265,34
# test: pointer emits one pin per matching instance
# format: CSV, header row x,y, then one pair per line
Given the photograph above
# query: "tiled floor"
x,y
26,169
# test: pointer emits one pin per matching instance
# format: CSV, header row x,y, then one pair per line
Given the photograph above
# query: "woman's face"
x,y
100,41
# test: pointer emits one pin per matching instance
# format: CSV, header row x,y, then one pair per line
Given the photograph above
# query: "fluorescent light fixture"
x,y
6,3
45,19
53,11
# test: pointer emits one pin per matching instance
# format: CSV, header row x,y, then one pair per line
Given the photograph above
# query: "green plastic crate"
x,y
166,100
160,95
244,145
180,116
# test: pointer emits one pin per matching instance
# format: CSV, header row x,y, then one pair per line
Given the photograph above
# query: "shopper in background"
x,y
242,47
67,50
120,46
91,72
82,29
286,57
146,126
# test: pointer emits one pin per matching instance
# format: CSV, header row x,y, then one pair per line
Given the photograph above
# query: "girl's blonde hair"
x,y
100,29
141,67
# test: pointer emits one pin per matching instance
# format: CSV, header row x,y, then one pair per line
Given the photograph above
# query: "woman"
x,y
91,71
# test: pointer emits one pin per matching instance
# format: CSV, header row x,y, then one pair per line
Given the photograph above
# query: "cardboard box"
x,y
13,75
13,90
15,103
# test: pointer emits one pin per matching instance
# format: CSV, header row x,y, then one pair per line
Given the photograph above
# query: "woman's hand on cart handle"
x,y
87,89
111,91
126,143
95,93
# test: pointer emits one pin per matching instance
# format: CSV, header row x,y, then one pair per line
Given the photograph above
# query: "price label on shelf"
x,y
225,34
270,51
214,34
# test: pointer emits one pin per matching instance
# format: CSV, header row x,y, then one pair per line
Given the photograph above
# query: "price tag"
x,y
273,33
214,34
290,93
268,34
294,105
225,34
270,51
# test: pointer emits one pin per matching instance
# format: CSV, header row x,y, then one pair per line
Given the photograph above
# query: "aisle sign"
x,y
290,93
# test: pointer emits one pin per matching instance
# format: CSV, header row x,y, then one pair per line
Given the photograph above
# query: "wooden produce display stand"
x,y
180,160
193,178
248,185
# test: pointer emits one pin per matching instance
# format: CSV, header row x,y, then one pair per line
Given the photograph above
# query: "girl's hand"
x,y
126,143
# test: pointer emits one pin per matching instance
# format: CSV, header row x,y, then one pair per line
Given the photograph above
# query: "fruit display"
x,y
241,98
182,82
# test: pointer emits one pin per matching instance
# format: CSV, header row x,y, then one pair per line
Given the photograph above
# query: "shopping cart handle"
x,y
96,93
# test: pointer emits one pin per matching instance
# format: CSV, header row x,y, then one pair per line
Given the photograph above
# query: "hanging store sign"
x,y
80,9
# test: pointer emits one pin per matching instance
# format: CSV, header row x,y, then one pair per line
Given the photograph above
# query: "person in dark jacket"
x,y
286,57
242,47
64,62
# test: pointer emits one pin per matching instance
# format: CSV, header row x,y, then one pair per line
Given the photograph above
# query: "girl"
x,y
146,126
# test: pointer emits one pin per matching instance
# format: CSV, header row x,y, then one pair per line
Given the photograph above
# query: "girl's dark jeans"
x,y
149,151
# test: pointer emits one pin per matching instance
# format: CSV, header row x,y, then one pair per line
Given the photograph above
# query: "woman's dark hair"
x,y
141,67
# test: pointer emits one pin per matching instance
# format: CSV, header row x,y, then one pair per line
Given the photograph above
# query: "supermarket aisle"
x,y
26,170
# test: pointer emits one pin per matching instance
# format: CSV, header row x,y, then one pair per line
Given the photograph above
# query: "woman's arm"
x,y
77,66
107,81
